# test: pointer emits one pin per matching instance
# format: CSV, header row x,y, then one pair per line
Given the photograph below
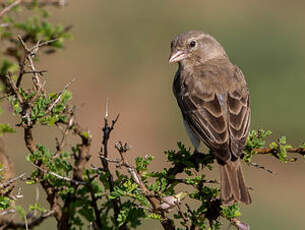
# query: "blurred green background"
x,y
120,50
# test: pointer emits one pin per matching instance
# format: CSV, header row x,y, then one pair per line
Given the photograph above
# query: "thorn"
x,y
107,105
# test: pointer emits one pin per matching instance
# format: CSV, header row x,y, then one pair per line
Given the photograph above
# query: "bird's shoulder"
x,y
214,77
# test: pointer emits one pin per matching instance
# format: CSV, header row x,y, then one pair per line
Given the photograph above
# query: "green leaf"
x,y
282,140
8,66
20,210
230,212
130,214
256,139
143,162
4,202
36,207
6,128
154,216
87,212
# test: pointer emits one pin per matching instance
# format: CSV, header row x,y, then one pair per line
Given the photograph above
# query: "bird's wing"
x,y
238,113
219,117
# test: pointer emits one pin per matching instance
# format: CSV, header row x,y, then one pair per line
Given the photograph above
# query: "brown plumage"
x,y
214,100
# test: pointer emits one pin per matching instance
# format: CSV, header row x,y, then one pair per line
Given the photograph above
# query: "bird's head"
x,y
194,47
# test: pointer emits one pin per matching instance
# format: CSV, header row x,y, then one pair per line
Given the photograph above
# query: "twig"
x,y
12,180
184,181
116,161
23,44
179,167
94,199
42,3
104,153
39,44
52,196
59,176
255,165
9,7
274,151
58,97
81,158
17,225
107,108
14,88
7,212
26,223
185,218
30,53
167,223
40,72
60,145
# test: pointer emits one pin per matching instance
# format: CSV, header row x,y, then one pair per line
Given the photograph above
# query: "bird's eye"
x,y
192,44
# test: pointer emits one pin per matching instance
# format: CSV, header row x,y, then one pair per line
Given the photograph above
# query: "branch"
x,y
13,86
52,197
60,144
81,159
9,7
195,158
94,200
167,223
84,151
104,153
275,151
255,165
58,97
10,181
122,149
59,176
40,72
7,224
42,3
185,218
30,53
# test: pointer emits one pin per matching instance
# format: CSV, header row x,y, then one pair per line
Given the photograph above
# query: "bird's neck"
x,y
193,63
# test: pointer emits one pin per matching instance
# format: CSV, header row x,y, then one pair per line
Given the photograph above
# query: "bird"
x,y
213,97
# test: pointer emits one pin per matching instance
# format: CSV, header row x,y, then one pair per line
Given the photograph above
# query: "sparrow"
x,y
214,100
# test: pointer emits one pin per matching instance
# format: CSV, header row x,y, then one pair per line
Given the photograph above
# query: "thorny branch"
x,y
9,7
41,3
11,181
6,224
167,223
94,199
107,129
59,176
52,197
81,157
263,151
58,97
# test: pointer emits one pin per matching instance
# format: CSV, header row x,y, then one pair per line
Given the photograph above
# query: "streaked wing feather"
x,y
221,118
239,114
206,118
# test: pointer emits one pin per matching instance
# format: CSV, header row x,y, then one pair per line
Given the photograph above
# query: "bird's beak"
x,y
177,56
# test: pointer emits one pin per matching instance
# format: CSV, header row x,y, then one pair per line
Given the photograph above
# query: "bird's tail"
x,y
232,185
